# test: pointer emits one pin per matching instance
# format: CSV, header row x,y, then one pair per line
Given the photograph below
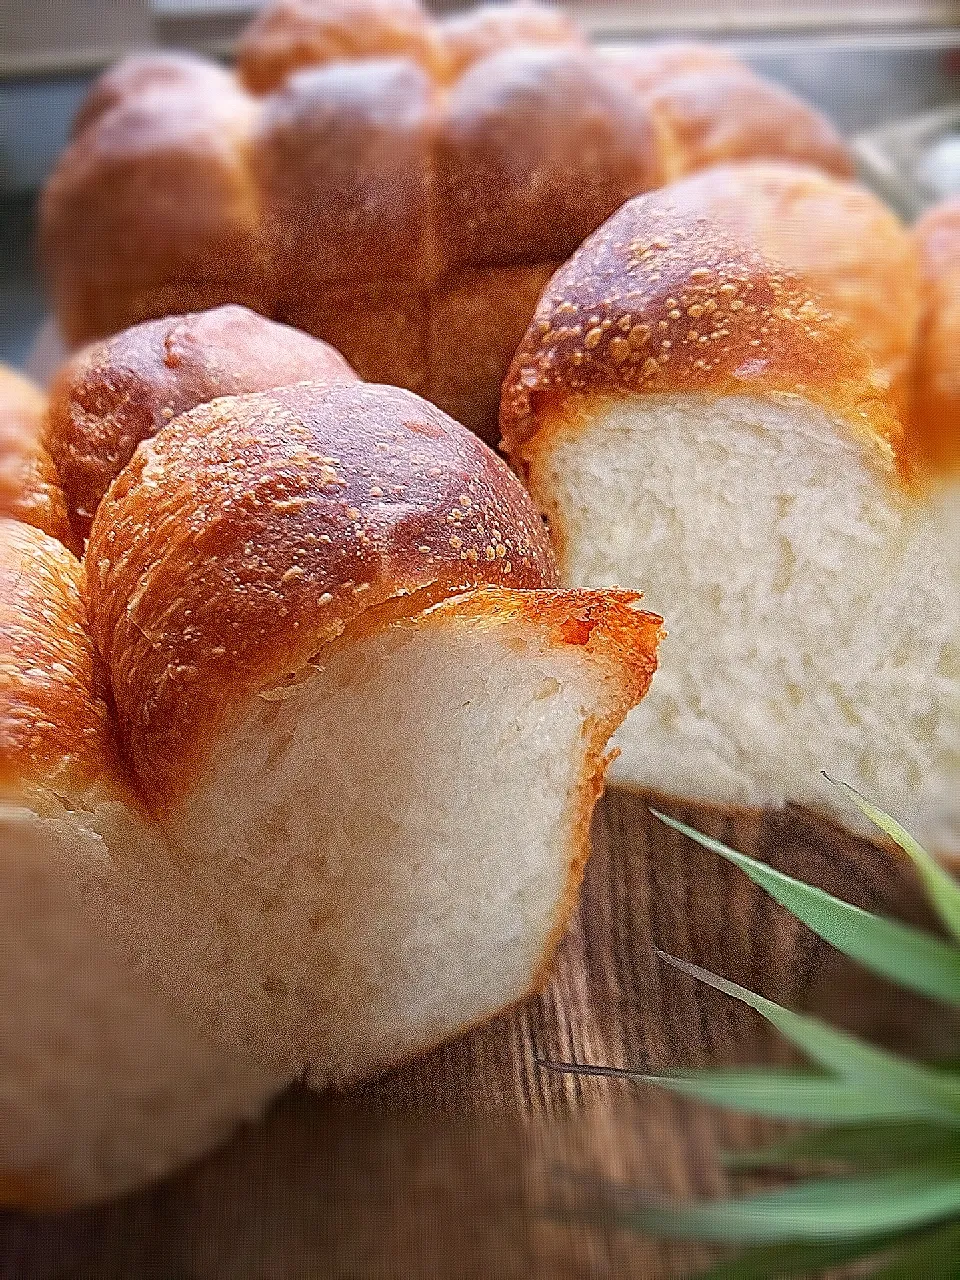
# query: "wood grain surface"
x,y
478,1160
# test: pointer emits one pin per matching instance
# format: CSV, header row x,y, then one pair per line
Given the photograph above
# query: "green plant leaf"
x,y
819,1209
841,1052
908,956
795,1095
783,1094
935,1253
942,888
866,1145
795,1258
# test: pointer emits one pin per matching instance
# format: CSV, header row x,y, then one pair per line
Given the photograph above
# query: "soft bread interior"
x,y
101,1086
811,606
383,850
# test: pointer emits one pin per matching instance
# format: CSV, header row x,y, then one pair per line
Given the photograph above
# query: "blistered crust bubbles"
x,y
253,530
116,393
662,300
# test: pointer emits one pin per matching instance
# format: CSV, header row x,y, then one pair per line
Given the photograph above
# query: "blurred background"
x,y
887,69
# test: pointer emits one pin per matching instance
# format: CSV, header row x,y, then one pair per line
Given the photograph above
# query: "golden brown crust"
x,y
490,28
55,731
289,35
536,147
390,154
145,73
255,529
153,205
29,485
665,300
711,117
845,243
114,394
935,430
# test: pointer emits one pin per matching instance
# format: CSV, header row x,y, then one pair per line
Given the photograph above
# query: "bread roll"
x,y
711,117
388,161
845,243
272,580
29,486
102,1086
342,158
536,148
152,210
470,37
117,393
688,413
290,35
935,435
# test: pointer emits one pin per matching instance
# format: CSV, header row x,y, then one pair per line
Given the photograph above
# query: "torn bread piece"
x,y
691,414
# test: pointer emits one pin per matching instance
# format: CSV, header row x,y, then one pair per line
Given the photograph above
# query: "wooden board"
x,y
478,1161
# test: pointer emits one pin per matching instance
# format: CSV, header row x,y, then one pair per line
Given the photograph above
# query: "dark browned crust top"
x,y
664,300
254,530
116,393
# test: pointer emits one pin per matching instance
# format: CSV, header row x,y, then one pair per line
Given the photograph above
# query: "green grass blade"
x,y
820,1209
942,888
798,1095
866,1145
935,1253
795,1258
841,1052
908,956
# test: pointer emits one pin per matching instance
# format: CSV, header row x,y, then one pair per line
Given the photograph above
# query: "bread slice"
x,y
386,848
689,414
102,1085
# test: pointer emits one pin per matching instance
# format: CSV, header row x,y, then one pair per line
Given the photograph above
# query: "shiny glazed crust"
x,y
29,486
665,300
56,730
117,393
256,529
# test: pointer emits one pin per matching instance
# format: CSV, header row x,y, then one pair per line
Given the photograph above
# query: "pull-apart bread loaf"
x,y
359,731
696,413
401,187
